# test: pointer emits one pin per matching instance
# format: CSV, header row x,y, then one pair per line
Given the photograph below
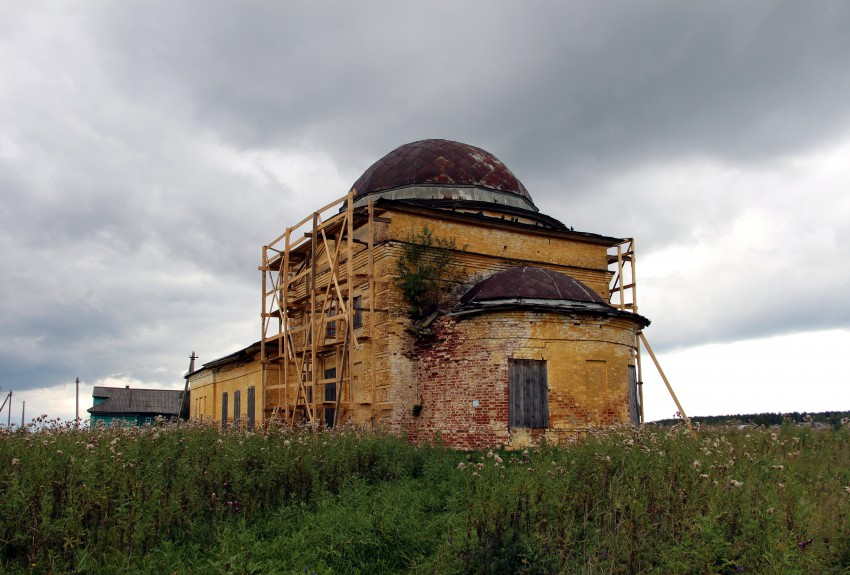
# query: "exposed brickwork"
x,y
465,358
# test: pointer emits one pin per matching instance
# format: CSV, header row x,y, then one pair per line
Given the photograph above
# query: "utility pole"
x,y
9,420
192,359
77,418
23,412
9,401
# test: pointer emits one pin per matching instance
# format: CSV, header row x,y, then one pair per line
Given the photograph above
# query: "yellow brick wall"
x,y
207,387
588,359
587,364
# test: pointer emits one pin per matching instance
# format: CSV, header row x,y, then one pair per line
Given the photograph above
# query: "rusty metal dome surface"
x,y
530,283
438,162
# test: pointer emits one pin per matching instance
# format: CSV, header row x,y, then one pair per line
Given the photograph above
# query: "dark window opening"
x,y
250,406
357,306
330,328
634,397
237,407
330,395
528,391
224,410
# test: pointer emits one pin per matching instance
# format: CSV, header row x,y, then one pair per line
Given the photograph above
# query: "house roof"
x,y
125,400
243,355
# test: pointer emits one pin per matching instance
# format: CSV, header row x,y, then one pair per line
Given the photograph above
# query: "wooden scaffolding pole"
x,y
666,382
313,278
627,301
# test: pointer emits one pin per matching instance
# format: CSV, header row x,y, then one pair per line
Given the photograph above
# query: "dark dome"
x,y
443,169
530,283
527,287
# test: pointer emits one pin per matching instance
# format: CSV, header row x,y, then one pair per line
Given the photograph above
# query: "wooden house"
x,y
133,406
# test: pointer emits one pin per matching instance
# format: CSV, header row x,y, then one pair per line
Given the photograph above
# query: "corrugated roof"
x,y
126,400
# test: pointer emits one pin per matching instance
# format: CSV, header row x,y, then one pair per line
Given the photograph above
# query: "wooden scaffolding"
x,y
623,295
312,324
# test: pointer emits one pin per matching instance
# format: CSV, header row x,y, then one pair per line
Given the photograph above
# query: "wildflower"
x,y
461,465
735,484
778,467
497,459
490,453
89,446
771,511
525,453
780,485
286,443
58,452
475,474
846,489
697,464
703,476
803,544
16,462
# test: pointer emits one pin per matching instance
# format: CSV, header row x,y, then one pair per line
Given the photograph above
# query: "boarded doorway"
x,y
528,393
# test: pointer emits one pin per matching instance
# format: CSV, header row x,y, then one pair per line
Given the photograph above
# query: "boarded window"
x,y
528,393
330,395
357,304
237,407
224,410
634,399
251,408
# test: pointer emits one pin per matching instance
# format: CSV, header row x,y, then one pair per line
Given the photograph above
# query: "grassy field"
x,y
191,499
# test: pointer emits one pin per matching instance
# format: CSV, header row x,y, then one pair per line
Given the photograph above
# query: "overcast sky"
x,y
149,149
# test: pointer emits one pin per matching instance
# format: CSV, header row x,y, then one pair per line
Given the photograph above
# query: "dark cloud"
x,y
564,89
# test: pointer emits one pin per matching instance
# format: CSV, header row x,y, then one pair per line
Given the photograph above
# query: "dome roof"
x,y
443,169
535,288
530,283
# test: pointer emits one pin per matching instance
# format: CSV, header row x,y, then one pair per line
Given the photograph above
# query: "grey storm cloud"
x,y
559,88
140,156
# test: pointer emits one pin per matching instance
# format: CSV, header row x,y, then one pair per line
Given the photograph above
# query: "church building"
x,y
435,300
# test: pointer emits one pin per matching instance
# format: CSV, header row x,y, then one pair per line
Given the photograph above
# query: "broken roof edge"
x,y
239,355
564,307
564,232
433,192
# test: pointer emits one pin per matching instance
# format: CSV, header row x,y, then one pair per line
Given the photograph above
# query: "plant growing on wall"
x,y
427,263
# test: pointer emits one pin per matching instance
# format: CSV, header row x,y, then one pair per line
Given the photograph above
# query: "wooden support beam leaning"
x,y
666,382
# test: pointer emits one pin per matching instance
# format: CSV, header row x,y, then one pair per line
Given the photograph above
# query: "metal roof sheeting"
x,y
526,282
126,400
438,162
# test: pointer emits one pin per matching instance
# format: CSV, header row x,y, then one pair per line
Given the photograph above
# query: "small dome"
x,y
530,283
527,287
443,169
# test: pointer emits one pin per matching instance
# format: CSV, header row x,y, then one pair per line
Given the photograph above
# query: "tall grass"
x,y
190,498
